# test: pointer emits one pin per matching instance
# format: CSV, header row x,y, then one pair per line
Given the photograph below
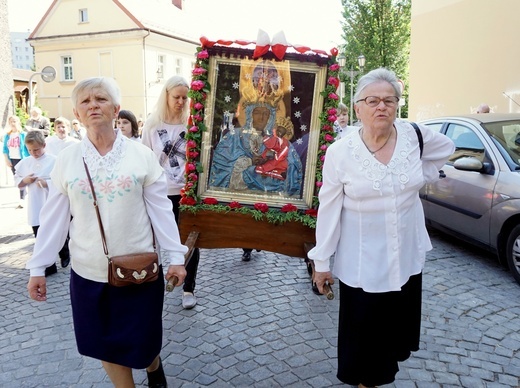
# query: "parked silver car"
x,y
479,199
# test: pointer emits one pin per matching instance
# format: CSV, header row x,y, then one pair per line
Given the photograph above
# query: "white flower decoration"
x,y
296,100
298,114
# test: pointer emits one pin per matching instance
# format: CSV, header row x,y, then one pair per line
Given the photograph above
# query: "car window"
x,y
507,135
435,126
466,142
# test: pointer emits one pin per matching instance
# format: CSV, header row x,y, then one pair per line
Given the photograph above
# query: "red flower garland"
x,y
198,95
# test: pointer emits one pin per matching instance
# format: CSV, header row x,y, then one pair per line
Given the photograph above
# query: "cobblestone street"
x,y
258,324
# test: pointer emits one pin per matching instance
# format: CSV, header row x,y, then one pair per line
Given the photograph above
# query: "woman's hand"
x,y
37,288
322,278
179,271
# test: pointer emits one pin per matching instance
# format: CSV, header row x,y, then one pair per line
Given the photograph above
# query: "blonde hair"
x,y
62,120
9,129
342,108
160,113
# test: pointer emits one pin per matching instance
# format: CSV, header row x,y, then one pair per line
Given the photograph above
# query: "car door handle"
x,y
442,174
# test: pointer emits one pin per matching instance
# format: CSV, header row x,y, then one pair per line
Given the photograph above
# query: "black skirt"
x,y
376,330
121,325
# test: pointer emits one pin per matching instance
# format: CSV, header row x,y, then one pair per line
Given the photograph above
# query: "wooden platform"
x,y
236,230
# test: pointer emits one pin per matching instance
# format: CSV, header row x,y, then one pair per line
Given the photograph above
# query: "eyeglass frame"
x,y
379,101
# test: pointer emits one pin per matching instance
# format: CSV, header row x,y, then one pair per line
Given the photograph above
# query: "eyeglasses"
x,y
373,101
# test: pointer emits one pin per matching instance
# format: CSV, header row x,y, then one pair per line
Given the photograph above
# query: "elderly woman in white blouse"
x,y
371,218
121,326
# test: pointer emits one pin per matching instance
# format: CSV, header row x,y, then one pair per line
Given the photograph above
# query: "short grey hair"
x,y
109,85
378,75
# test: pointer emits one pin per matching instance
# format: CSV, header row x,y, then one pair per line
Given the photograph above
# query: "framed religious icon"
x,y
260,125
260,145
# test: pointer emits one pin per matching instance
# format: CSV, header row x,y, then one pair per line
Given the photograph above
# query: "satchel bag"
x,y
124,270
133,269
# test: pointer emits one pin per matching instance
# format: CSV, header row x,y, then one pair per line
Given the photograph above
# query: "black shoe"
x,y
246,256
65,262
51,270
157,379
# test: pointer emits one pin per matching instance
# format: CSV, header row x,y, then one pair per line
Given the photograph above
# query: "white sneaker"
x,y
188,300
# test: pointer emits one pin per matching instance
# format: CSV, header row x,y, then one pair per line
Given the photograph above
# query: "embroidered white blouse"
x,y
131,192
370,215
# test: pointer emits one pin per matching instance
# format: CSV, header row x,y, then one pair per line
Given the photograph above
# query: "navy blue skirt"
x,y
376,330
121,325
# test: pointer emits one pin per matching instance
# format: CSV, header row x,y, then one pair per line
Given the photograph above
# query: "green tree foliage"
x,y
21,113
380,30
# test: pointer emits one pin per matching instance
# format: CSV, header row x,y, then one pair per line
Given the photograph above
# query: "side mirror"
x,y
471,163
468,164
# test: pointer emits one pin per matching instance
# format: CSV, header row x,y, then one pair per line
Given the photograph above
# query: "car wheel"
x,y
513,252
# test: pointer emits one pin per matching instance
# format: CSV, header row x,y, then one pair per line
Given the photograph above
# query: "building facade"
x,y
130,40
463,53
21,51
6,69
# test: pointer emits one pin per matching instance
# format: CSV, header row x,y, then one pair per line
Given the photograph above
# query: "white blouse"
x,y
37,195
370,215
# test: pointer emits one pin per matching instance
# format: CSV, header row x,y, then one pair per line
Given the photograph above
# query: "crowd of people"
x,y
368,203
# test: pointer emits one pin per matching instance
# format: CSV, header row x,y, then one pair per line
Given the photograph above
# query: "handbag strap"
x,y
419,136
100,223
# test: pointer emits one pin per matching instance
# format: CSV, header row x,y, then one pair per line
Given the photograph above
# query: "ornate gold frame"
x,y
307,70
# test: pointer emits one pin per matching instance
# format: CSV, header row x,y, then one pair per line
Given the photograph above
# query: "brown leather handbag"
x,y
125,270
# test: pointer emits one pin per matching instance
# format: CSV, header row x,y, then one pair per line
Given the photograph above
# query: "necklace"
x,y
380,148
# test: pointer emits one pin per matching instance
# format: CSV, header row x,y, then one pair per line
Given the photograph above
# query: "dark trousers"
x,y
193,264
64,252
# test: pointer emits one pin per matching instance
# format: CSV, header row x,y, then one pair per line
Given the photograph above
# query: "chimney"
x,y
177,3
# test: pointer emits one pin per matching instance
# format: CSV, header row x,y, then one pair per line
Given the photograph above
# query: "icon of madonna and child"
x,y
258,155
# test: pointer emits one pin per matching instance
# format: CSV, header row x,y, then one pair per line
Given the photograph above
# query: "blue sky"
x,y
309,22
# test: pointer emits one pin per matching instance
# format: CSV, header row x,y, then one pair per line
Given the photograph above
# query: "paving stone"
x,y
258,324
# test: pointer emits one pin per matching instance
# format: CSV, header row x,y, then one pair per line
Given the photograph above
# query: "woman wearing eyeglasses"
x,y
371,218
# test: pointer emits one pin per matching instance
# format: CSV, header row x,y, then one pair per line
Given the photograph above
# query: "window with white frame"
x,y
160,67
83,15
66,66
178,66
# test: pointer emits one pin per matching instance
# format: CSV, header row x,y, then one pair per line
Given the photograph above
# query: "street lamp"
x,y
341,62
48,74
351,74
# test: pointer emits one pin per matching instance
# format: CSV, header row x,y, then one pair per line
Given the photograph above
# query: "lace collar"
x,y
375,171
110,162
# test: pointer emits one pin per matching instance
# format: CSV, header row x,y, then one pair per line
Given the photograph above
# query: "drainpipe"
x,y
145,79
